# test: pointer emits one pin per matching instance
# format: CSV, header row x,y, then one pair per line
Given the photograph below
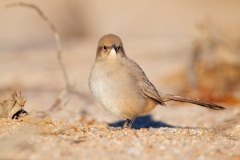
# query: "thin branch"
x,y
62,99
55,34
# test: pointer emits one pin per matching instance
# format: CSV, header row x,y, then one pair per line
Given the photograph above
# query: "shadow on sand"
x,y
145,121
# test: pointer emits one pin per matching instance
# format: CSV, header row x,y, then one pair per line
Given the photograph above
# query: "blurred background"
x,y
185,47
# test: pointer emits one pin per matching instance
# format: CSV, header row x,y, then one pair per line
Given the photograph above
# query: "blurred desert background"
x,y
190,48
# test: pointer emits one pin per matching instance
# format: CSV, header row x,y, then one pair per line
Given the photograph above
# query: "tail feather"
x,y
169,97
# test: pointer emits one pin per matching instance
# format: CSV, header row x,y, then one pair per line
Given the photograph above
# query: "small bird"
x,y
122,88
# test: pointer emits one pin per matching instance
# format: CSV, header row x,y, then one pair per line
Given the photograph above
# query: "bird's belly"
x,y
116,96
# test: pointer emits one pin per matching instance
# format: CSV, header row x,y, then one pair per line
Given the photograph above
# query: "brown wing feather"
x,y
147,88
150,91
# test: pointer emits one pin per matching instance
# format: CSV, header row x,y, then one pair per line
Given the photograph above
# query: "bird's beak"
x,y
113,50
114,47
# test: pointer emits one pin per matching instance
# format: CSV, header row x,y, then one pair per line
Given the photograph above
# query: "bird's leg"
x,y
129,122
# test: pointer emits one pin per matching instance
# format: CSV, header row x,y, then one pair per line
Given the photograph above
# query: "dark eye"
x,y
104,47
119,48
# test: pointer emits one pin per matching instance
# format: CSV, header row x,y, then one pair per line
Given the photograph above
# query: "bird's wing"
x,y
147,88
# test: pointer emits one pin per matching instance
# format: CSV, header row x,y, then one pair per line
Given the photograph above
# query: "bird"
x,y
121,86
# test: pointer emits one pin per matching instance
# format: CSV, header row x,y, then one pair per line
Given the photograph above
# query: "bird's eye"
x,y
104,47
119,48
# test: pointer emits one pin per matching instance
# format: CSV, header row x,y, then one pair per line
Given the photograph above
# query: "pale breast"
x,y
116,90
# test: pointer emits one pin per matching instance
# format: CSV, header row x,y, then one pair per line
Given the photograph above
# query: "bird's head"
x,y
110,47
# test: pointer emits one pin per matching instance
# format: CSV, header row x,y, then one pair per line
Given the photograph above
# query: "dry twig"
x,y
55,34
60,100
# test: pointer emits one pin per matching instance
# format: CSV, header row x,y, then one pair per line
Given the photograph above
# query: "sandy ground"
x,y
83,130
94,140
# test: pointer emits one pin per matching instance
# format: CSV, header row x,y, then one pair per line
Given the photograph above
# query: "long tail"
x,y
169,97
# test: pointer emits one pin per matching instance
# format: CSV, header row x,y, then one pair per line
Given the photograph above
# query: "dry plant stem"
x,y
55,34
60,101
